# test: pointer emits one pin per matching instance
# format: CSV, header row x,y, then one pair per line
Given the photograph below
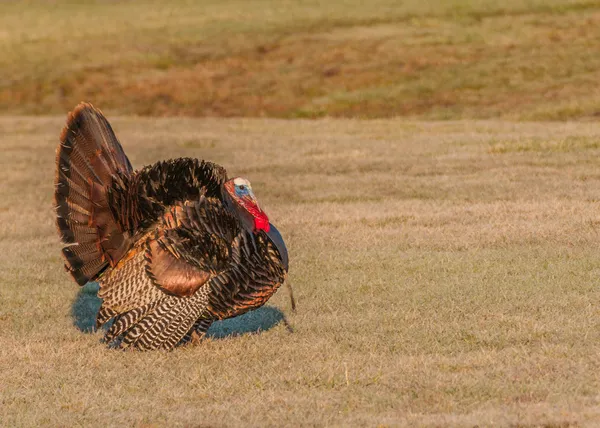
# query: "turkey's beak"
x,y
251,199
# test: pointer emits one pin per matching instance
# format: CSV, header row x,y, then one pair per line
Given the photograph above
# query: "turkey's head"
x,y
240,196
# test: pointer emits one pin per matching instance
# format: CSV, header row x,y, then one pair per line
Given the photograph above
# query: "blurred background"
x,y
453,59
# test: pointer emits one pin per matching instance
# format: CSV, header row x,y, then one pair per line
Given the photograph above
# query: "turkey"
x,y
174,246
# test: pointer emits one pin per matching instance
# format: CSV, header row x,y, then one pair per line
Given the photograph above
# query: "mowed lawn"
x,y
445,273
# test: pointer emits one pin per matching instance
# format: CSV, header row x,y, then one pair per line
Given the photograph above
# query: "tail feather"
x,y
69,187
79,255
73,212
89,161
94,142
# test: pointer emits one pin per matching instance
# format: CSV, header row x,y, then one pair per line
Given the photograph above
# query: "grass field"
x,y
452,59
444,256
447,274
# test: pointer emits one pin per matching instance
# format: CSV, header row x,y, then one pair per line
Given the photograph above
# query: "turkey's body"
x,y
174,246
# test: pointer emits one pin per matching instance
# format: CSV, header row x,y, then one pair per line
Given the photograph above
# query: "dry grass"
x,y
383,58
446,273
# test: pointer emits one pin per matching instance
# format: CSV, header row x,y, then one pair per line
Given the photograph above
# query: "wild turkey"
x,y
174,246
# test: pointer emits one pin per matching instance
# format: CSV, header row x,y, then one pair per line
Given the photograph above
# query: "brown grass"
x,y
448,60
446,275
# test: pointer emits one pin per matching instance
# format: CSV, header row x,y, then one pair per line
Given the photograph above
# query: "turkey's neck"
x,y
246,218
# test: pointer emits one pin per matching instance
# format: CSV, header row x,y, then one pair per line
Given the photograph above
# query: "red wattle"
x,y
261,222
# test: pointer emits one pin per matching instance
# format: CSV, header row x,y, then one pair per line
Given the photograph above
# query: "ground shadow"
x,y
261,319
85,307
87,303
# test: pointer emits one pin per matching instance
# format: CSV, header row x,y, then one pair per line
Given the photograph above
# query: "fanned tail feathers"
x,y
89,159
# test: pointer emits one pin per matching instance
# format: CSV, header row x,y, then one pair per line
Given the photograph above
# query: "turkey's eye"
x,y
242,187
